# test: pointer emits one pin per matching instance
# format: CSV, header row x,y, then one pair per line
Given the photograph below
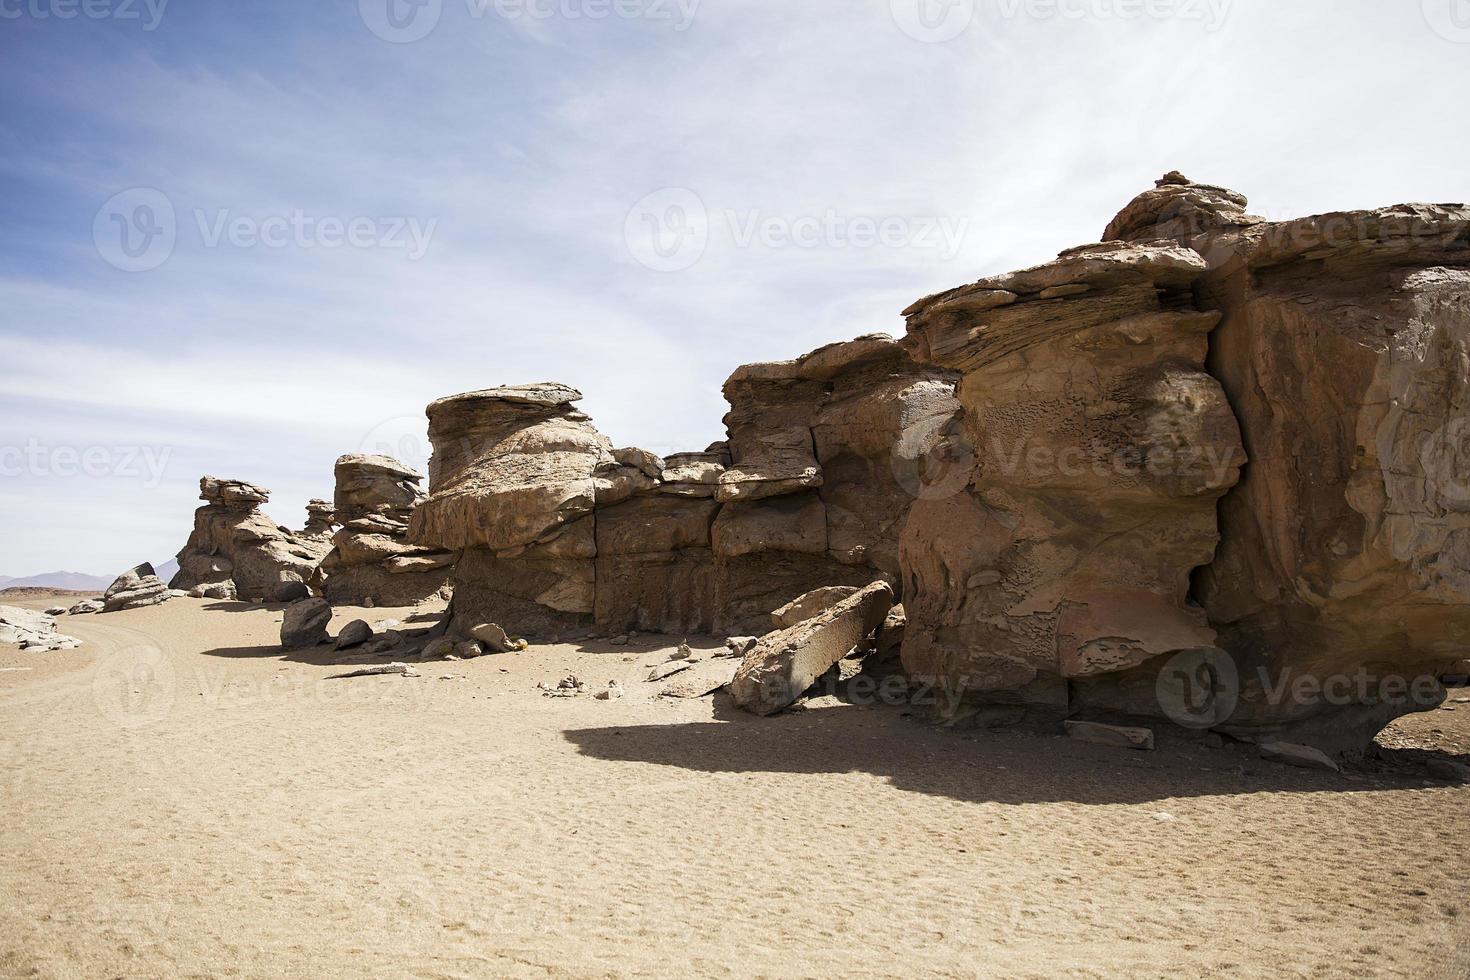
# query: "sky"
x,y
242,239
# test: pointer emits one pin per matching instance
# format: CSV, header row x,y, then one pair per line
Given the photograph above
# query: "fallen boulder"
x,y
137,587
305,624
786,663
804,607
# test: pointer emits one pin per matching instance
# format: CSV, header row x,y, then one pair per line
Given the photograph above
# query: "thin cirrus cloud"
x,y
520,145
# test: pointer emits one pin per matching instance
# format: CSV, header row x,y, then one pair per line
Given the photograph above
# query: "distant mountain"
x,y
166,571
74,581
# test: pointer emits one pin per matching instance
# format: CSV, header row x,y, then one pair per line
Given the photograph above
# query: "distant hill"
x,y
71,581
166,570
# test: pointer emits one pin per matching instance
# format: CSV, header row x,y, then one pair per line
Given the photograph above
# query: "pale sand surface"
x,y
182,799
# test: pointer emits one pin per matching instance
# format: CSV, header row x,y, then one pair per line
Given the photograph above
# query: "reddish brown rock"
x,y
1100,447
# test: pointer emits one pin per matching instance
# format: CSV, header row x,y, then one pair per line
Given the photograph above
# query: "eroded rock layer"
x,y
1345,557
563,532
1099,448
240,550
371,561
1111,401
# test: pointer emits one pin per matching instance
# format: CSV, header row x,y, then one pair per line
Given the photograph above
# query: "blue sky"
x,y
509,173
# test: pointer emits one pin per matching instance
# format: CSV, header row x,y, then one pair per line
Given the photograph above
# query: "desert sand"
x,y
183,798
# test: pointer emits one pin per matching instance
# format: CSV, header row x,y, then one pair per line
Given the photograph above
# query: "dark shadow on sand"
x,y
1011,767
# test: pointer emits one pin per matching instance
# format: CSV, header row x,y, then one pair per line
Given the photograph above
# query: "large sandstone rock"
x,y
1108,397
137,587
786,663
1343,349
1100,448
371,558
563,533
233,542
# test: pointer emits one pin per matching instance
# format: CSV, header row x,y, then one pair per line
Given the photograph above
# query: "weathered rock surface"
x,y
134,589
802,608
233,542
1343,350
304,624
34,631
787,662
1109,400
371,558
563,533
1100,448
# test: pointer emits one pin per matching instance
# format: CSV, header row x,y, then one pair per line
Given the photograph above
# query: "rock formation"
x,y
561,532
1112,398
235,549
321,520
1343,350
371,562
134,589
1100,450
32,630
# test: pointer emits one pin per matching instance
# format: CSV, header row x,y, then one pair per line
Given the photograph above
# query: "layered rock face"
x,y
1100,448
1343,348
1111,401
234,544
563,532
371,561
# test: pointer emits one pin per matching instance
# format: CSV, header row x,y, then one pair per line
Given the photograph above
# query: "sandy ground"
x,y
182,799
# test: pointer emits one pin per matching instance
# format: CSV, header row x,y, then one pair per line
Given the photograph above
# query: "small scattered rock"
x,y
667,670
439,648
1117,736
468,650
290,592
354,634
378,671
739,646
1293,754
56,611
612,692
493,638
86,606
